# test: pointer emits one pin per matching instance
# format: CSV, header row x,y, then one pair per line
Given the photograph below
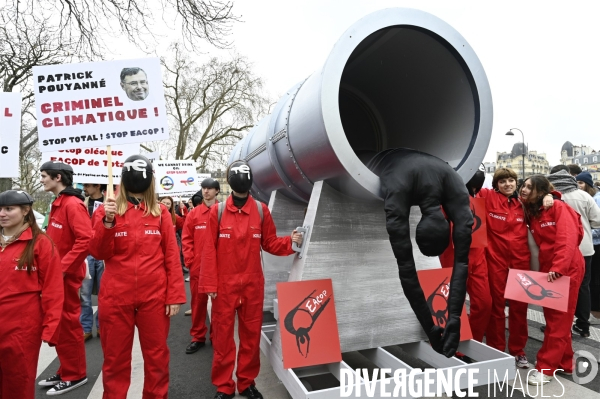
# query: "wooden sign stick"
x,y
109,187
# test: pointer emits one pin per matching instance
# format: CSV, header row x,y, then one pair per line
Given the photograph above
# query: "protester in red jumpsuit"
x,y
192,240
178,221
478,286
231,274
507,249
142,285
558,232
70,229
31,298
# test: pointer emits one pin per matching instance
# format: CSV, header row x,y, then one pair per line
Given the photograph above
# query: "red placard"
x,y
436,287
308,324
479,235
534,287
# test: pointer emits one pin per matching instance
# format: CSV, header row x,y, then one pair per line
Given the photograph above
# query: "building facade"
x,y
490,167
582,155
534,163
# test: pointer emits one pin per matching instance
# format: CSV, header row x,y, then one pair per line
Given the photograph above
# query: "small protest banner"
x,y
533,287
176,177
90,165
99,104
309,331
436,287
10,132
479,235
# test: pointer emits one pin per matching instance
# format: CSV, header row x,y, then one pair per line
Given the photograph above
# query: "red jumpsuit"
x,y
231,267
70,228
478,288
507,249
558,232
30,309
142,274
192,241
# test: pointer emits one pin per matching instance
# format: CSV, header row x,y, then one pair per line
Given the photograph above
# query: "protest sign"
x,y
436,287
10,123
309,333
176,177
533,287
90,164
152,156
99,104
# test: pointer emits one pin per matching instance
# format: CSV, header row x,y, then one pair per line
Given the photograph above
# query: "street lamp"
x,y
510,133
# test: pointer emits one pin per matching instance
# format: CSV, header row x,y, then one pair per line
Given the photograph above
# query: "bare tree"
x,y
210,105
23,46
85,22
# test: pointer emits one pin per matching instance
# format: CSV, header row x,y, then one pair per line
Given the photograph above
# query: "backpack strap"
x,y
221,207
260,210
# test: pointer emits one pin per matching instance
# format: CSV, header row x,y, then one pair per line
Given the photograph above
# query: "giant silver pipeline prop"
x,y
396,78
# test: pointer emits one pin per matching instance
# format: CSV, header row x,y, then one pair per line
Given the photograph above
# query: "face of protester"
x,y
507,186
166,202
49,183
528,194
136,86
12,216
91,190
209,193
581,185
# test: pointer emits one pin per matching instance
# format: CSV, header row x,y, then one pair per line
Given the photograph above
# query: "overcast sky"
x,y
541,59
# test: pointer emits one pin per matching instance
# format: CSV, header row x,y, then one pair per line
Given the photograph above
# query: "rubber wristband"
x,y
112,224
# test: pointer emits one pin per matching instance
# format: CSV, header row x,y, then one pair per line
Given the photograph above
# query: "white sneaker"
x,y
537,378
522,362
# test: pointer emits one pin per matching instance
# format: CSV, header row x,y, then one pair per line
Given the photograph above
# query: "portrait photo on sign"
x,y
134,82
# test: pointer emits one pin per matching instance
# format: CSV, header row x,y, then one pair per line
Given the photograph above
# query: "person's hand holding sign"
x,y
110,209
553,276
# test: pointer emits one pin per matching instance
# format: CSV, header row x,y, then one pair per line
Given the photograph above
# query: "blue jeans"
x,y
87,313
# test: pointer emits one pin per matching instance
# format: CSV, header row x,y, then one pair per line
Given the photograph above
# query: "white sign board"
x,y
176,178
10,132
152,156
90,164
98,104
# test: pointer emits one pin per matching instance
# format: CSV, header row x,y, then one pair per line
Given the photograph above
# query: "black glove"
x,y
451,337
436,337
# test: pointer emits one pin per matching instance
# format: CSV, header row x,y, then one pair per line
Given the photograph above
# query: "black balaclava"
x,y
137,174
239,176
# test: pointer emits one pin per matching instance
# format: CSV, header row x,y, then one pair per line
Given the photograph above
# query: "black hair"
x,y
558,168
131,71
66,177
574,169
540,186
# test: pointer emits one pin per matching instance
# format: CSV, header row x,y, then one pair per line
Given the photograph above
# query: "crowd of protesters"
x,y
126,250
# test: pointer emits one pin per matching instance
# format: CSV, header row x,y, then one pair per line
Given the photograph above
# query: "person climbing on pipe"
x,y
409,177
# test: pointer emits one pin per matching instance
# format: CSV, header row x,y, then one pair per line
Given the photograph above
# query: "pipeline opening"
x,y
405,86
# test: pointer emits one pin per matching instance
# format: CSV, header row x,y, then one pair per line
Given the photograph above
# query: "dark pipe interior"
x,y
405,86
